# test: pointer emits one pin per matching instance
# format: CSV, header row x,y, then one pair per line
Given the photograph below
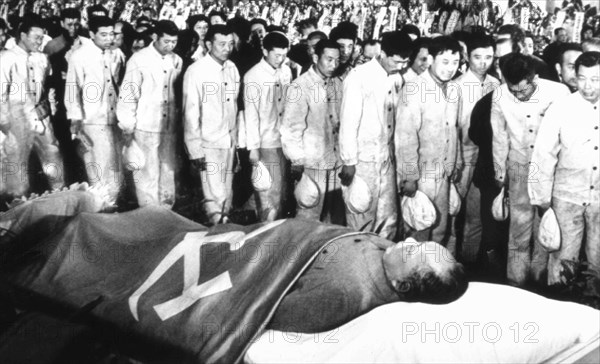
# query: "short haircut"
x,y
306,23
275,40
564,48
260,21
517,35
411,29
397,43
585,28
587,59
461,36
216,29
217,13
429,287
344,30
557,30
241,27
371,42
419,43
480,41
323,44
193,19
70,13
165,27
31,20
316,34
517,67
592,41
439,45
97,22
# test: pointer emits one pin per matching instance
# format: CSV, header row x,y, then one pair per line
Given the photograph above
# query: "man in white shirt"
x,y
368,120
25,113
310,130
518,108
566,161
264,101
473,85
91,100
211,88
426,135
148,111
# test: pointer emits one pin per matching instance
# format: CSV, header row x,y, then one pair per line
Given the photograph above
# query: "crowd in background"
x,y
308,110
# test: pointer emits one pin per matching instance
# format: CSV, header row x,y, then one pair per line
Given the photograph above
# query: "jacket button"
x,y
531,146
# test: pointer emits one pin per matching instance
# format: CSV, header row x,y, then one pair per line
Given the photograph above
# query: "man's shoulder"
x,y
55,45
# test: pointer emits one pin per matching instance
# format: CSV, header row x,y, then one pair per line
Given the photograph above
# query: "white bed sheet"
x,y
489,324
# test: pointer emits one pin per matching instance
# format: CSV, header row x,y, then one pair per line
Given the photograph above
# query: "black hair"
x,y
259,21
217,13
193,19
344,30
397,43
241,27
371,42
517,35
305,24
316,34
517,67
442,44
70,13
165,27
411,29
30,20
216,29
587,59
323,44
564,48
275,40
480,41
429,287
100,21
585,28
557,30
419,43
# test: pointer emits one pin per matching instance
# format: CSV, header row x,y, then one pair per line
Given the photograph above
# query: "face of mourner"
x,y
444,65
165,44
523,90
567,68
275,57
32,41
480,60
393,64
401,260
221,47
588,82
328,62
346,49
104,37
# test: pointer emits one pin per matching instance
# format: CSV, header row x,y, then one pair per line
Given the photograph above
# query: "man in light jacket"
x,y
426,134
148,112
310,130
91,101
211,88
566,160
518,108
367,132
264,101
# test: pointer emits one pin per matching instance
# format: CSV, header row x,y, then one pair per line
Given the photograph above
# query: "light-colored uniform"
x,y
471,90
210,104
264,100
515,125
309,137
427,144
91,95
366,141
566,160
148,107
25,109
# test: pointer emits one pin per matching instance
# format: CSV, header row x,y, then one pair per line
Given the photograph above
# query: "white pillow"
x,y
489,324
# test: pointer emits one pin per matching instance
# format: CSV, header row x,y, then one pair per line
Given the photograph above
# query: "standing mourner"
x,y
91,100
367,132
473,85
310,130
426,134
345,35
517,110
565,64
25,112
567,160
211,87
264,99
148,112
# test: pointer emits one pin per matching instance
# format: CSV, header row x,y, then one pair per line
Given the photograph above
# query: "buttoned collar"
x,y
582,101
472,77
213,64
316,77
156,52
21,51
267,67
